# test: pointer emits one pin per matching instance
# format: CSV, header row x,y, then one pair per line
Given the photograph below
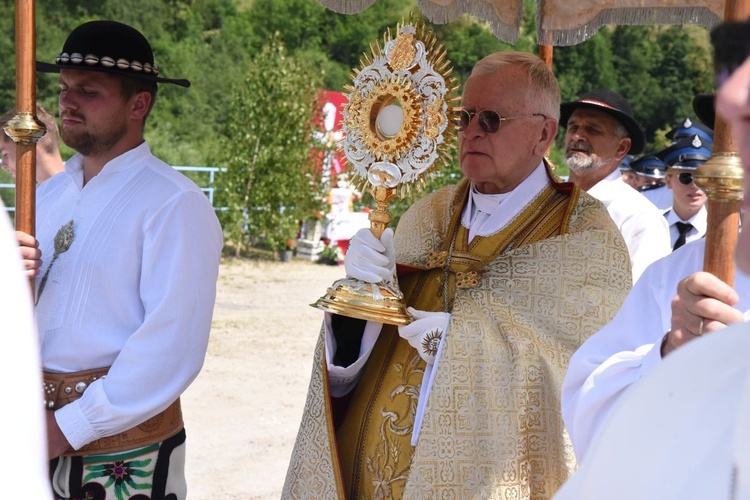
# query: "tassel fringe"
x,y
700,16
442,14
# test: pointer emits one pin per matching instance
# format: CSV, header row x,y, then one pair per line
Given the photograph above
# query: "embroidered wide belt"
x,y
63,388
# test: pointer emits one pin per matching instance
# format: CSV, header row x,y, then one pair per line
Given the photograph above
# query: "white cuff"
x,y
73,424
343,378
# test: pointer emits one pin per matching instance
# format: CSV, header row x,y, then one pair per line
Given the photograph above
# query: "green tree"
x,y
269,185
335,42
213,43
584,67
679,78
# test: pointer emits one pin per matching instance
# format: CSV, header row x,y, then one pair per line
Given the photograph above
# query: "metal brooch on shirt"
x,y
63,240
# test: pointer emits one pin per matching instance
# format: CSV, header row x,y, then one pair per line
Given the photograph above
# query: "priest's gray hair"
x,y
545,90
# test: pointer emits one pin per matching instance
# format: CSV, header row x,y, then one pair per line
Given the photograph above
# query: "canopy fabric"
x,y
560,22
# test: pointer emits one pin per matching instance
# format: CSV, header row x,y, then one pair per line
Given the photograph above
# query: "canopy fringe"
x,y
442,14
700,16
346,6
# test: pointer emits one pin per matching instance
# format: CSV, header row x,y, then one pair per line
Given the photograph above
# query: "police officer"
x,y
687,216
650,170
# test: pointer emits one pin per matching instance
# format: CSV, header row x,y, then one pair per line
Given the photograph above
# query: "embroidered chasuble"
x,y
521,301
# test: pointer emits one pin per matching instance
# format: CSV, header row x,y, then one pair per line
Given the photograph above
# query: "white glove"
x,y
370,259
425,332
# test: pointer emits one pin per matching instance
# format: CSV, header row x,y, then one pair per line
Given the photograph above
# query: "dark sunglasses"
x,y
489,120
685,178
731,43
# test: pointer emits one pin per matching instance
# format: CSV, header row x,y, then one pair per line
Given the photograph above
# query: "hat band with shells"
x,y
107,62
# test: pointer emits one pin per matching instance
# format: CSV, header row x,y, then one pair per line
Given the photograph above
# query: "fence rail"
x,y
209,189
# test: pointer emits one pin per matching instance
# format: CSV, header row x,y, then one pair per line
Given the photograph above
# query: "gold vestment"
x,y
492,427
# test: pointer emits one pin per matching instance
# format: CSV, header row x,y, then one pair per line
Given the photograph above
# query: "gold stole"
x,y
374,438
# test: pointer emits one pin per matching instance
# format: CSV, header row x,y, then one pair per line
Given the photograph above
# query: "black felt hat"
x,y
613,104
108,47
704,107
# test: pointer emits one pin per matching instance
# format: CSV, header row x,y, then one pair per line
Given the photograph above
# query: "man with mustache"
x,y
126,291
601,131
656,415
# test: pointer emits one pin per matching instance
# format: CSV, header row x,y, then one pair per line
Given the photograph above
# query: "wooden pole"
x,y
736,10
25,105
24,128
545,54
721,178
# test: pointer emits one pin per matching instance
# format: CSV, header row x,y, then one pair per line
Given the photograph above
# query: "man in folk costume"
x,y
126,291
505,274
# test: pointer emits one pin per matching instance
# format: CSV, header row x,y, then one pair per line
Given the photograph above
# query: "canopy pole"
x,y
545,54
721,178
24,128
736,10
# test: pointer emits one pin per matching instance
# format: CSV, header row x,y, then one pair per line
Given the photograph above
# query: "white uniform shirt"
x,y
699,222
23,466
628,346
135,291
660,196
642,225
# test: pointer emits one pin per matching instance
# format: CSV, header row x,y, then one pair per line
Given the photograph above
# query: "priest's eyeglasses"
x,y
489,120
686,178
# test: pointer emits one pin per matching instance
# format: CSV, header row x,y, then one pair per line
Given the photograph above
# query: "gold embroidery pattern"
x,y
431,342
317,476
428,236
437,259
492,426
386,466
467,280
63,240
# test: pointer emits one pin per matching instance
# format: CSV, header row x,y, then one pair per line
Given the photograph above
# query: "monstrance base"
x,y
360,302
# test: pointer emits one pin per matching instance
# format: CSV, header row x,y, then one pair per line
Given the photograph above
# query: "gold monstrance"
x,y
399,122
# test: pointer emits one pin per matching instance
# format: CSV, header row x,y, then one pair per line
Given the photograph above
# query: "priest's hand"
x,y
703,304
425,332
31,255
370,259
